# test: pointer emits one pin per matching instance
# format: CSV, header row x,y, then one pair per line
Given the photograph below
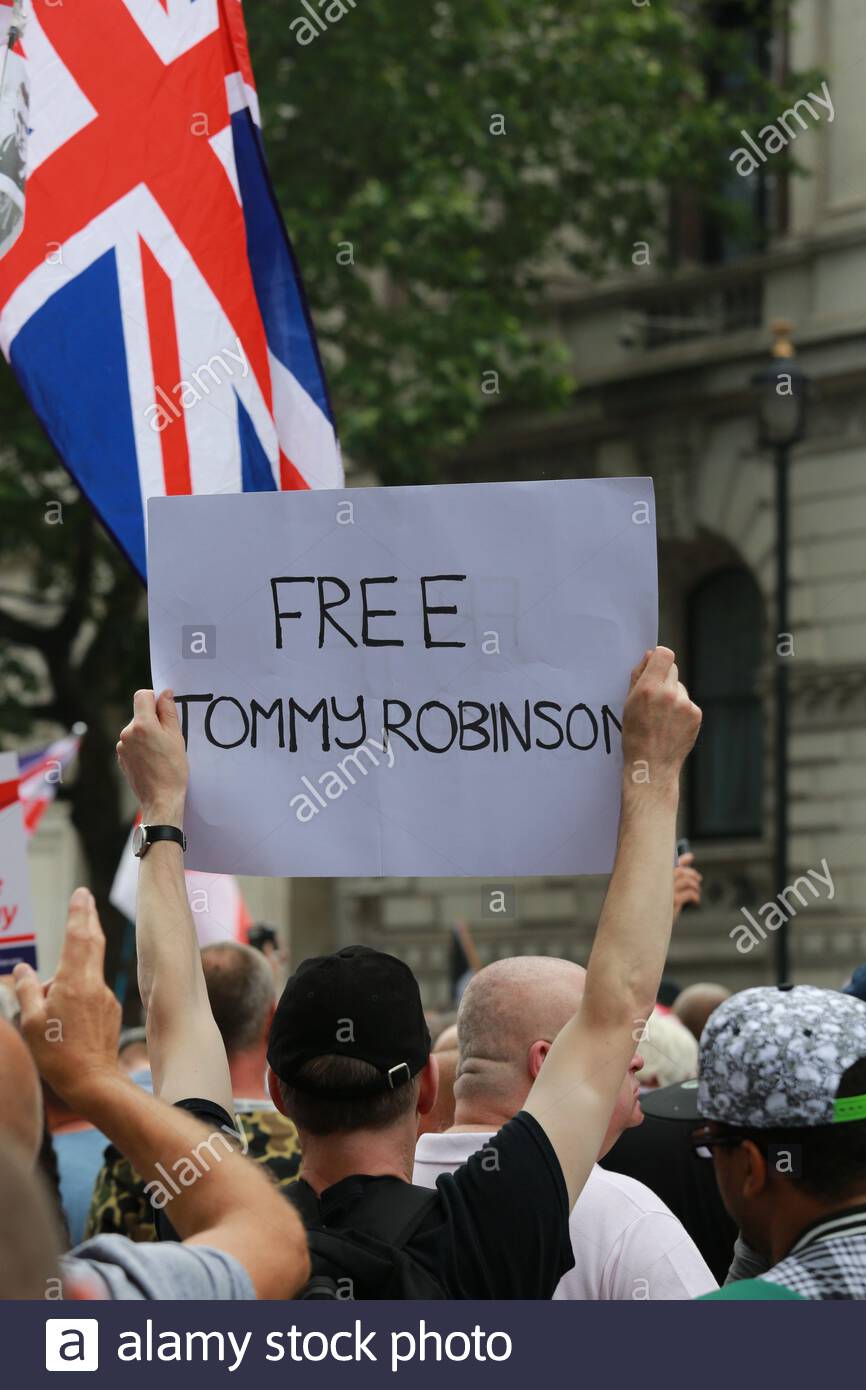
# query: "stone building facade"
x,y
664,363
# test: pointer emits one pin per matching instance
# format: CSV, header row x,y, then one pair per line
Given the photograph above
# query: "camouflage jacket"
x,y
119,1205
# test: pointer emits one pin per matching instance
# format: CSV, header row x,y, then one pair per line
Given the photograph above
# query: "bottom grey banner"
x,y
424,1344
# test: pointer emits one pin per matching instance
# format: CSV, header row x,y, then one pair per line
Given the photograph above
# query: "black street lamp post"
x,y
782,393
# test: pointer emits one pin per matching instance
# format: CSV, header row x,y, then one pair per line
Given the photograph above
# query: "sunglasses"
x,y
703,1141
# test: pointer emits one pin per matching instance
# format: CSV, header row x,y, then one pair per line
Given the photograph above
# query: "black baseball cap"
x,y
356,1003
676,1102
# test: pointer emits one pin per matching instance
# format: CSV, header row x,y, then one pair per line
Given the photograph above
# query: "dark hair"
x,y
827,1161
241,991
262,935
317,1114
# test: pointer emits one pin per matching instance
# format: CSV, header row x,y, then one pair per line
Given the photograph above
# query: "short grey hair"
x,y
242,993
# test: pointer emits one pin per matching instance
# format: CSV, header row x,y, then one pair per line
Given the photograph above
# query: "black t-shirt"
x,y
500,1226
658,1153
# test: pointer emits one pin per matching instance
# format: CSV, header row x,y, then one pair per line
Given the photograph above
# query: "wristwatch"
x,y
143,836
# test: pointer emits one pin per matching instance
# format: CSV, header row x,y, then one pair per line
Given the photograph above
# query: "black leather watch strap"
x,y
153,833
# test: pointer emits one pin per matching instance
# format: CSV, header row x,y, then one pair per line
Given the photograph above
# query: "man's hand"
x,y
72,1024
687,883
660,723
152,755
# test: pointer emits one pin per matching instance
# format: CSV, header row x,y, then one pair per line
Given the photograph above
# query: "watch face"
x,y
139,841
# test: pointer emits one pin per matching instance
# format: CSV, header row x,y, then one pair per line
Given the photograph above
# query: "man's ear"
x,y
755,1171
428,1089
275,1091
535,1057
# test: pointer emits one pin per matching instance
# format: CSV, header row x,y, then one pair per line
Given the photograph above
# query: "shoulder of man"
x,y
626,1191
632,1203
156,1273
638,1233
272,1140
445,1152
750,1290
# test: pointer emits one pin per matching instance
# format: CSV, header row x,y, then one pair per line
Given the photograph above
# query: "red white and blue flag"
x,y
28,784
151,307
40,774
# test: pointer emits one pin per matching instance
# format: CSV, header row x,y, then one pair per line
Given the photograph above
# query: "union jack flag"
x,y
41,773
152,308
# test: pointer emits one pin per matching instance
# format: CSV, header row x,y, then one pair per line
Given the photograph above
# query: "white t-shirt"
x,y
626,1242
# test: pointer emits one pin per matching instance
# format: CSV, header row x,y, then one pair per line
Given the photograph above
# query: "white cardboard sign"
x,y
17,937
404,681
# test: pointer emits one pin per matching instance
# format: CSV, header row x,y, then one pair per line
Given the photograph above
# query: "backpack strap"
x,y
305,1202
392,1211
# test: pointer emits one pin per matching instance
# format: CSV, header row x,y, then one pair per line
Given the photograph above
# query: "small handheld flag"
x,y
41,773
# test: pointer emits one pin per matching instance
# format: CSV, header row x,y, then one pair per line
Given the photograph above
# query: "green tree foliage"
x,y
434,159
463,147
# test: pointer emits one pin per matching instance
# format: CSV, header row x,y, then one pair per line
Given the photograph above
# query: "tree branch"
x,y
126,596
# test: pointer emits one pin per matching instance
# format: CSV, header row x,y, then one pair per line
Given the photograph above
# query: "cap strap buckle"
x,y
399,1075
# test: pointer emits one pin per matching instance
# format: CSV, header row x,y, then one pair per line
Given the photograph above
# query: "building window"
x,y
698,234
725,625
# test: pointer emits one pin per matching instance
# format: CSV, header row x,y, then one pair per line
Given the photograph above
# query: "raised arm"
x,y
71,1026
187,1055
574,1093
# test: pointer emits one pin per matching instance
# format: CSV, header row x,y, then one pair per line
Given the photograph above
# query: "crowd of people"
x,y
644,1142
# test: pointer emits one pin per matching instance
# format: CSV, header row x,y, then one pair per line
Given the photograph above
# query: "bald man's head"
x,y
20,1093
447,1039
441,1117
507,1007
695,1004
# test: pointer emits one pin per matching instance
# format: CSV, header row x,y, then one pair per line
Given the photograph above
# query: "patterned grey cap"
x,y
773,1058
